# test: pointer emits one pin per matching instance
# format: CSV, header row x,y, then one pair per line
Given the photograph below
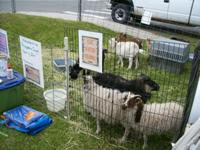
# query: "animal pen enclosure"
x,y
165,62
163,111
172,90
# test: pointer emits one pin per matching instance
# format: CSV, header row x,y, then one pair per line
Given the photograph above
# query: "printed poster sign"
x,y
90,50
4,50
146,17
32,61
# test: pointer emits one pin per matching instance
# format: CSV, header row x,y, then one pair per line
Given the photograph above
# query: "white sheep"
x,y
114,106
129,50
103,103
156,118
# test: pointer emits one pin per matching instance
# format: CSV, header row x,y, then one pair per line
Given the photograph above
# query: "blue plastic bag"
x,y
27,120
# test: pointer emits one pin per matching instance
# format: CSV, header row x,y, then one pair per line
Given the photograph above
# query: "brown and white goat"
x,y
156,118
122,37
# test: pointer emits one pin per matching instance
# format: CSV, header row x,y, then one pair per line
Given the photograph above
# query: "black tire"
x,y
121,13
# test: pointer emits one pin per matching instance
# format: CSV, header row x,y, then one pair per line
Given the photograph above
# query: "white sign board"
x,y
90,50
146,18
4,50
32,61
190,140
195,112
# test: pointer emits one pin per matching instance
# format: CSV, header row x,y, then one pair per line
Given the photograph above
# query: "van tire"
x,y
121,13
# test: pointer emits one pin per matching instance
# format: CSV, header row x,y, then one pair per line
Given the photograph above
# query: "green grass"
x,y
78,133
48,31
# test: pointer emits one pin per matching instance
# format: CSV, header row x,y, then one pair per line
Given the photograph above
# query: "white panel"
x,y
195,17
157,7
190,138
179,10
146,18
195,113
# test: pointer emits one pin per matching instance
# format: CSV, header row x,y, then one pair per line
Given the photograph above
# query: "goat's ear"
x,y
138,96
133,101
144,77
125,35
140,106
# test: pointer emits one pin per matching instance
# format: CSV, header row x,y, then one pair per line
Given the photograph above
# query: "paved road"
x,y
90,8
93,11
95,8
39,5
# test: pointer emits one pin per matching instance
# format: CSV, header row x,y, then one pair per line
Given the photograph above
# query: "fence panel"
x,y
161,58
166,67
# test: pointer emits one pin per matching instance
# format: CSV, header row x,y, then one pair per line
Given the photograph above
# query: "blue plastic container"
x,y
59,64
11,92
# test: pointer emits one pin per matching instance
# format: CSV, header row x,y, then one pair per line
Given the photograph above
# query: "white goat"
x,y
128,50
156,118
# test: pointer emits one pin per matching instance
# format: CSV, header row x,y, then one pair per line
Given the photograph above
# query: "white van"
x,y
183,11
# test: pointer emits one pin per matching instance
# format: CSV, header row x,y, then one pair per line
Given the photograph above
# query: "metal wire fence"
x,y
165,61
163,67
171,75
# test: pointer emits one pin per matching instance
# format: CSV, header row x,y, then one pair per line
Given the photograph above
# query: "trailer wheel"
x,y
121,13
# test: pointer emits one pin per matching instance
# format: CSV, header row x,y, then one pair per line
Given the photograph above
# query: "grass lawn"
x,y
78,133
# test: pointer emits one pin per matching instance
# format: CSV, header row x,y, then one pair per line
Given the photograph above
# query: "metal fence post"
x,y
13,5
80,10
66,49
194,77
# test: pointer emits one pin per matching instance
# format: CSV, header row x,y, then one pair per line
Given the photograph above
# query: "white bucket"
x,y
55,99
3,66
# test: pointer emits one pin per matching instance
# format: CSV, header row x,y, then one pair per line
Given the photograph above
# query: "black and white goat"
x,y
75,70
143,85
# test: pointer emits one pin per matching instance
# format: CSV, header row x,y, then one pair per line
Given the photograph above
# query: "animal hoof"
x,y
121,141
97,132
144,146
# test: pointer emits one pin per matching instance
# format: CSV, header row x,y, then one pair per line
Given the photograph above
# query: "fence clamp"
x,y
66,44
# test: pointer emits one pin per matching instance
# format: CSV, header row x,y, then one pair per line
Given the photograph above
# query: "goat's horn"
x,y
138,96
129,94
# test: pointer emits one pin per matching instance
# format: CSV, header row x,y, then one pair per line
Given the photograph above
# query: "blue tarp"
x,y
27,120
